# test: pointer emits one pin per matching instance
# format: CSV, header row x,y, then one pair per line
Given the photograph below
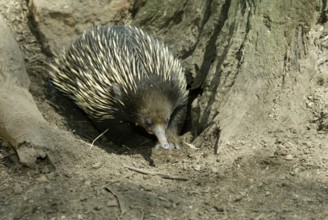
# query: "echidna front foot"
x,y
171,146
172,141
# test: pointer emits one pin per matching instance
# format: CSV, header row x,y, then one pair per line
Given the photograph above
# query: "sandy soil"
x,y
282,174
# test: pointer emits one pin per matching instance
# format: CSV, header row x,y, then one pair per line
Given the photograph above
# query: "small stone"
x,y
214,170
112,203
43,178
97,165
97,208
197,167
18,189
87,183
289,157
51,176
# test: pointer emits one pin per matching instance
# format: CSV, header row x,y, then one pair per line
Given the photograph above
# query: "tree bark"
x,y
255,61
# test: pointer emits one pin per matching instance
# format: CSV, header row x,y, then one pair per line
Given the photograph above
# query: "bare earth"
x,y
281,174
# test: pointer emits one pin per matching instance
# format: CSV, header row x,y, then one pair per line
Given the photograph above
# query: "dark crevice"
x,y
135,7
207,15
176,17
32,24
286,69
188,126
323,16
297,53
210,49
217,132
209,57
239,54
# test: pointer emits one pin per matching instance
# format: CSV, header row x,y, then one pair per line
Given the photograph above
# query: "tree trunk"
x,y
256,63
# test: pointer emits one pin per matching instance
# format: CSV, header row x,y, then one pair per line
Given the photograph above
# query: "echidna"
x,y
120,72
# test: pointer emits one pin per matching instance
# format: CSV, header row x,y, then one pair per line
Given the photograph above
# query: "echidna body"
x,y
119,72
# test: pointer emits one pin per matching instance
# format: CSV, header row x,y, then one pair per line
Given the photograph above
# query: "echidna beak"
x,y
159,131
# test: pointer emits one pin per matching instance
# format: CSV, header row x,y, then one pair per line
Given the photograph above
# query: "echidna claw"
x,y
166,146
170,146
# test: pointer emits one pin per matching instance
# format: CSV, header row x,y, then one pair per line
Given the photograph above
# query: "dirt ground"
x,y
281,174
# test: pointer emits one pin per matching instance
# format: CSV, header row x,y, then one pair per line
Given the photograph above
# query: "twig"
x,y
120,204
163,175
97,138
191,146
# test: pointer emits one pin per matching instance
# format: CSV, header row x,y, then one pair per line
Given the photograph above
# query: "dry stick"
x,y
120,204
97,138
164,176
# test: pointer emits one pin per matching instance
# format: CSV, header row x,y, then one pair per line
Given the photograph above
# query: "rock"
x,y
21,123
97,165
289,157
12,65
197,167
112,203
18,189
43,179
59,22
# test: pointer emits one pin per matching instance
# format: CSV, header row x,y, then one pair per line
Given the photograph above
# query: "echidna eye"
x,y
148,122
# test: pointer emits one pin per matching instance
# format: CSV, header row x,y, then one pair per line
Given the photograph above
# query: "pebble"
x,y
214,170
97,165
112,203
18,189
42,178
197,167
97,208
51,176
289,157
87,183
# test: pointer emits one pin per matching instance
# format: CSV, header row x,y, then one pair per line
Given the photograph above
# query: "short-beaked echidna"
x,y
120,72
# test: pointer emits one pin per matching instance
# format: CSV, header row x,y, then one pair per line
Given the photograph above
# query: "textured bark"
x,y
250,58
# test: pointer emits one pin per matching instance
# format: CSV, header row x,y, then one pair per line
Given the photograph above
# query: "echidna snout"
x,y
157,129
159,132
154,115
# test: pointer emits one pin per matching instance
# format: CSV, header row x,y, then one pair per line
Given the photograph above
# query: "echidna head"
x,y
153,114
